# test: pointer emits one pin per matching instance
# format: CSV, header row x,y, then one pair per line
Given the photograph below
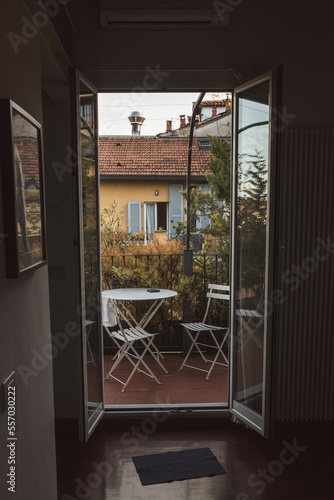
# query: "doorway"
x,y
250,401
150,150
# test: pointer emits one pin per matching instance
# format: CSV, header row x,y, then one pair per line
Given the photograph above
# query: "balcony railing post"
x,y
187,309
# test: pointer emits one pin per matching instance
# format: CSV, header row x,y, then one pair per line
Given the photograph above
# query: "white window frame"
x,y
137,203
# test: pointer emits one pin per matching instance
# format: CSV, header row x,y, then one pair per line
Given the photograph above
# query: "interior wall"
x,y
260,36
62,240
24,304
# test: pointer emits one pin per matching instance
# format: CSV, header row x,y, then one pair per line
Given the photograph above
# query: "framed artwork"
x,y
22,190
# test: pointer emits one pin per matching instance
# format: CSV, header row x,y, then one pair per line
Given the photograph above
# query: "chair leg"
x,y
140,360
123,352
219,347
199,350
219,351
156,356
150,349
92,360
193,340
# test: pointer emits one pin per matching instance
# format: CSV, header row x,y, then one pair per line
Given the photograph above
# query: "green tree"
x,y
215,205
219,174
252,219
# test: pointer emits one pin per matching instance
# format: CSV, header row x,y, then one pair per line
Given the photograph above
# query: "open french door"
x,y
90,257
254,154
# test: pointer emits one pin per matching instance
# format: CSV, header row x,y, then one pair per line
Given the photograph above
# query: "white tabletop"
x,y
138,294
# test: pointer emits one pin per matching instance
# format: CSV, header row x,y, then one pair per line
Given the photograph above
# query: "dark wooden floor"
x,y
256,468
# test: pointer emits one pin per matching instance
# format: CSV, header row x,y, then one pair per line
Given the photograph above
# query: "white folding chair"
x,y
194,330
124,338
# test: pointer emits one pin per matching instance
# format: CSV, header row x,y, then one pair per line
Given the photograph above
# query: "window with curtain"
x,y
150,220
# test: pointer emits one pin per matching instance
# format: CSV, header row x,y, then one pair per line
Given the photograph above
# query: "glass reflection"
x,y
91,241
28,191
252,193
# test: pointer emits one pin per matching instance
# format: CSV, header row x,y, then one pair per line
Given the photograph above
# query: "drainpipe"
x,y
187,252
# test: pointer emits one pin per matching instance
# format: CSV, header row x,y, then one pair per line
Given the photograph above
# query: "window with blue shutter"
x,y
175,207
134,217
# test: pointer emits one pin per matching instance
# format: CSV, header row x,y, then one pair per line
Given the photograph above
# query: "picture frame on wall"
x,y
22,181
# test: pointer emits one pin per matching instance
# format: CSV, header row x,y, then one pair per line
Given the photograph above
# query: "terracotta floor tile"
x,y
177,387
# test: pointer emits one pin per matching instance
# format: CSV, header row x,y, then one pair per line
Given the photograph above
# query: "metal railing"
x,y
209,267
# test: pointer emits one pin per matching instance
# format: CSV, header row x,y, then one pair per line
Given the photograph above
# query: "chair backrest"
x,y
221,292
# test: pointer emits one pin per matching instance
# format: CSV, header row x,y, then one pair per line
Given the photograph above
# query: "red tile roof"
x,y
27,148
147,156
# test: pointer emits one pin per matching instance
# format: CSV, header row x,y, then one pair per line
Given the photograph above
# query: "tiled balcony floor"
x,y
177,387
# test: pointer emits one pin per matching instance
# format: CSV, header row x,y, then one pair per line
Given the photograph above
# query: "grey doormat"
x,y
177,465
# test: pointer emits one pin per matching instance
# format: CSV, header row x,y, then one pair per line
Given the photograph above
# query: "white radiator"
x,y
304,323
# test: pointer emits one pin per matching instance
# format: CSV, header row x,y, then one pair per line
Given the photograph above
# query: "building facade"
x,y
145,176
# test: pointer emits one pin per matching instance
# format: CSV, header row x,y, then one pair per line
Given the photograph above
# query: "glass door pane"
x,y
250,252
90,257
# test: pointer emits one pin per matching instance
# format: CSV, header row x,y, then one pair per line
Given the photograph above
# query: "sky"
x,y
114,110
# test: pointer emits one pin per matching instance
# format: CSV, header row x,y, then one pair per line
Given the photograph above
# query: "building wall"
x,y
206,111
62,241
221,127
144,191
24,304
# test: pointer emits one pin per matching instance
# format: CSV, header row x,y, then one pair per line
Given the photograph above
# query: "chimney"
x,y
197,117
214,110
136,119
183,120
169,126
189,118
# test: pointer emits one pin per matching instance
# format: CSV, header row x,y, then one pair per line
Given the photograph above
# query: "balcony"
x,y
188,386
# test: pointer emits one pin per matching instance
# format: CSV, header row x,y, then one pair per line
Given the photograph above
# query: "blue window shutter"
x,y
134,216
204,220
175,206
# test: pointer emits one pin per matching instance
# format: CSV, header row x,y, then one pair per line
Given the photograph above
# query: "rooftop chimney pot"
x,y
183,120
136,119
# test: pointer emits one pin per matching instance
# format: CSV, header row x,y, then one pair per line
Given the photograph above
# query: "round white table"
x,y
138,294
123,294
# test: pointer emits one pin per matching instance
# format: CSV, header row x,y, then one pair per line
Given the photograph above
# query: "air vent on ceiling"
x,y
161,17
